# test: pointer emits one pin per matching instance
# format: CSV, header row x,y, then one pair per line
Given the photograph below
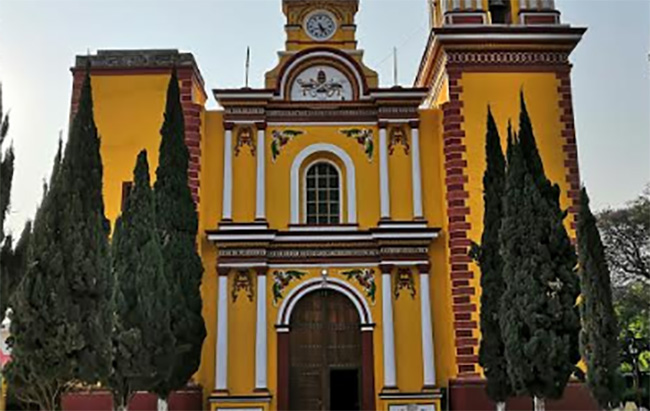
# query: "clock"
x,y
320,25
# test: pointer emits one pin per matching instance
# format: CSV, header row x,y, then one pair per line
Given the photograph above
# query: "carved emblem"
x,y
281,280
404,281
242,282
363,137
245,138
366,279
320,87
280,139
398,136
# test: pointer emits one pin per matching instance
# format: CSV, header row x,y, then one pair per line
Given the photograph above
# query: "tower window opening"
x,y
500,11
323,194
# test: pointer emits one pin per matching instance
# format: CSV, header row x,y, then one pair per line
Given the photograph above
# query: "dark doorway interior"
x,y
344,389
500,11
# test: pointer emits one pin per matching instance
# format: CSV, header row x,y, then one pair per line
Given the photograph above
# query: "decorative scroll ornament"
x,y
320,87
398,136
363,137
280,139
366,279
404,281
245,138
281,280
242,282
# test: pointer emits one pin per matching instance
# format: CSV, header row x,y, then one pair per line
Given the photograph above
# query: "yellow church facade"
x,y
335,216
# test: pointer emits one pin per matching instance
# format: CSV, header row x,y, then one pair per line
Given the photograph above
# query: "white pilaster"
x,y
227,175
260,203
416,173
390,380
384,186
427,332
260,333
221,373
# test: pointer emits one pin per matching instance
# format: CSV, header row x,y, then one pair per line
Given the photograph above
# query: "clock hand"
x,y
322,29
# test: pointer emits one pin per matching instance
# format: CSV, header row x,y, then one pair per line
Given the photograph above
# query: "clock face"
x,y
320,26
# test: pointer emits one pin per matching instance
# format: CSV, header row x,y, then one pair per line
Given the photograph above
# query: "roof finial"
x,y
248,64
395,66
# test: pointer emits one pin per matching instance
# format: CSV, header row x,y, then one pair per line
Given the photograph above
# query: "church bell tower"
x,y
484,53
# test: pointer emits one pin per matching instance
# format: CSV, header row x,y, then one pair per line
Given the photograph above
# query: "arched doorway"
x,y
325,353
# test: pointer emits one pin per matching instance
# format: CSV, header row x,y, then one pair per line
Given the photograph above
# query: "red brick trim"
x,y
367,371
570,147
283,371
457,196
193,132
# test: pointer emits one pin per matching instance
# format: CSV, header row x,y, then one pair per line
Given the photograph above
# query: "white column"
x,y
416,173
227,175
384,187
390,380
260,332
260,203
427,332
221,373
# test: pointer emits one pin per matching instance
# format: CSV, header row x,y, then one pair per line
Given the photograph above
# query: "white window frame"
x,y
313,163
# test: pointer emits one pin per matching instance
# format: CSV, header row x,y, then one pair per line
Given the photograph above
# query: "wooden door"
x,y
324,343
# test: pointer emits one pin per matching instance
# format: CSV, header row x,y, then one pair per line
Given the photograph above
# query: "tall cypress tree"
x,y
491,351
599,336
84,232
143,341
14,265
539,317
6,170
560,246
177,223
531,155
6,178
41,337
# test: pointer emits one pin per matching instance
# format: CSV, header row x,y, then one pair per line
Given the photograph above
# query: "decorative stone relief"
x,y
366,279
281,280
280,139
242,282
398,136
404,281
245,138
321,83
363,137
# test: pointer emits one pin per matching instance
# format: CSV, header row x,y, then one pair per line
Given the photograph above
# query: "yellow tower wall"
x,y
545,106
128,113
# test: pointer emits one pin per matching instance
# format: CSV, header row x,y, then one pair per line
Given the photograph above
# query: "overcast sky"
x,y
39,39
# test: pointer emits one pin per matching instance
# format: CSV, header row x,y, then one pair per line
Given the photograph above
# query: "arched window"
x,y
322,194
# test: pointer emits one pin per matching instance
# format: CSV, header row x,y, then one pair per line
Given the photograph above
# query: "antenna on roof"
x,y
395,66
248,63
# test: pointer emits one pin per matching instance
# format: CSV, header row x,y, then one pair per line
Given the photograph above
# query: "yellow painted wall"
x,y
244,172
401,182
209,216
408,337
241,342
433,197
128,113
278,173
